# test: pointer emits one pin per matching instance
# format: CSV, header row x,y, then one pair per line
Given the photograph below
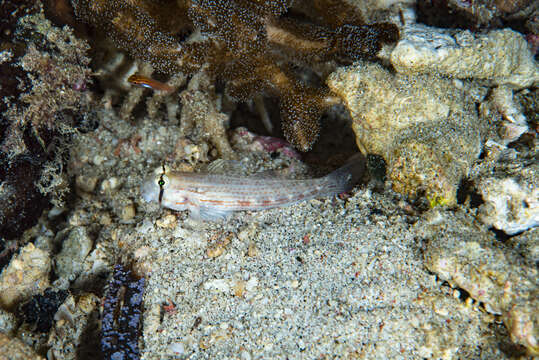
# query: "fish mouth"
x,y
149,190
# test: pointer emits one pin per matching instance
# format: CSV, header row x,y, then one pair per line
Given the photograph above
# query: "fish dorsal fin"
x,y
272,174
226,167
235,168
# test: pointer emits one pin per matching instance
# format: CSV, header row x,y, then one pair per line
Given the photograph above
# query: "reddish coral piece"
x,y
170,308
271,144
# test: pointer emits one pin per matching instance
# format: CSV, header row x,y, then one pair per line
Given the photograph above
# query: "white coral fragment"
x,y
499,56
509,206
26,275
514,123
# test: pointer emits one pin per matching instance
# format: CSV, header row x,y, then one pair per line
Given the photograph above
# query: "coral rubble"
x,y
508,181
503,107
500,57
511,206
201,109
75,247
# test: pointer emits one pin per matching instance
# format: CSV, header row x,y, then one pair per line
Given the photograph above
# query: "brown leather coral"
x,y
249,45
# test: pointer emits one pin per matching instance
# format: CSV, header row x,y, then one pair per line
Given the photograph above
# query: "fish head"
x,y
154,185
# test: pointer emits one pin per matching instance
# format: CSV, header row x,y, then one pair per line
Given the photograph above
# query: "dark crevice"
x,y
500,235
466,192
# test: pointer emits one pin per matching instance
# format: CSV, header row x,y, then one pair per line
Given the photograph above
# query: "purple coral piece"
x,y
120,323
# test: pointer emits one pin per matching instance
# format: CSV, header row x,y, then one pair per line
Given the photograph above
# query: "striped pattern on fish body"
x,y
212,196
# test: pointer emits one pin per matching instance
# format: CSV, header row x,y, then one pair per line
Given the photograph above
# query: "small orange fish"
x,y
149,83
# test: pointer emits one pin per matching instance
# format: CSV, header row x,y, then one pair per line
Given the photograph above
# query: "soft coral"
x,y
250,45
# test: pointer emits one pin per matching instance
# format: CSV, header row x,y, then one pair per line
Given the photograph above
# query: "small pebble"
x,y
167,222
215,251
86,183
26,275
105,218
143,262
78,218
218,248
247,233
221,285
128,212
239,288
253,250
75,247
98,160
245,355
55,211
177,348
110,185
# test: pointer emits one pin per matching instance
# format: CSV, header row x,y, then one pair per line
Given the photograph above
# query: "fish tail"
x,y
344,178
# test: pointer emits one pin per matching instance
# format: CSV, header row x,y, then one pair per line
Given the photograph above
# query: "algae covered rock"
x,y
75,248
424,126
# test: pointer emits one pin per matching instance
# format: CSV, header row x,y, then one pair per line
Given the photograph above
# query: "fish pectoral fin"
x,y
208,213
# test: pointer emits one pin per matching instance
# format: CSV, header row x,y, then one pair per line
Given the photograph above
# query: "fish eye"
x,y
162,181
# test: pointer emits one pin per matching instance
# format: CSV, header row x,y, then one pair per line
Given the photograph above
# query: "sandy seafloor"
x,y
341,277
326,278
